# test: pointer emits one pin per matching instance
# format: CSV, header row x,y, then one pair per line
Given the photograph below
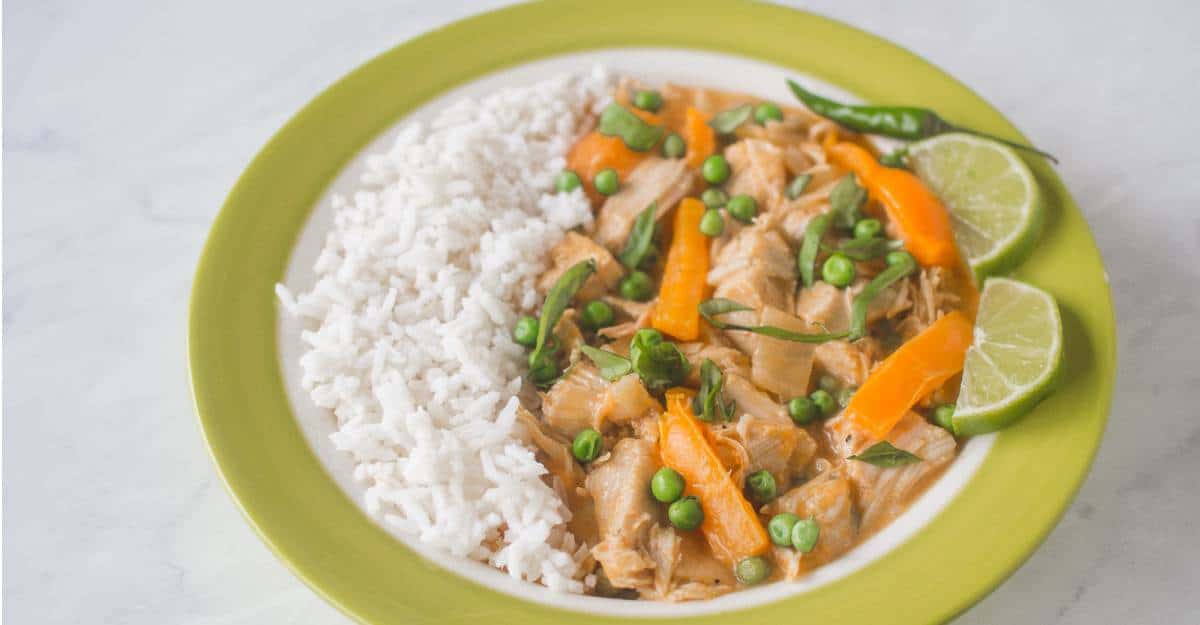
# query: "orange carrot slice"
x,y
684,276
923,220
700,138
916,369
730,524
595,152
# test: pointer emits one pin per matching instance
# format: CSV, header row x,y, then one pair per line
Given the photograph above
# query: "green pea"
x,y
802,410
543,369
838,270
648,100
587,445
752,570
636,286
742,208
944,416
606,182
686,513
597,314
715,169
525,332
897,257
760,486
673,146
805,534
867,229
714,197
667,485
766,112
824,401
780,528
566,181
712,224
845,395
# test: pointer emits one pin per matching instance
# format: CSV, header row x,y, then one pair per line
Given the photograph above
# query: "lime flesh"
x,y
1014,359
994,201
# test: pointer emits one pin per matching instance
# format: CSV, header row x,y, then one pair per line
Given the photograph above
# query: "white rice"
x,y
422,276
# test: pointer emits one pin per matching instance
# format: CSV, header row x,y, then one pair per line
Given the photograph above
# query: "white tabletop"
x,y
127,122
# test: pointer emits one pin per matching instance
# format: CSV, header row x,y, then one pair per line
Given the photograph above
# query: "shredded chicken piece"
x,y
573,249
728,359
583,399
625,513
758,171
659,181
567,477
780,366
571,405
829,500
883,492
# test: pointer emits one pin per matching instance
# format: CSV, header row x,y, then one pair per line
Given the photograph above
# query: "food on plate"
x,y
669,342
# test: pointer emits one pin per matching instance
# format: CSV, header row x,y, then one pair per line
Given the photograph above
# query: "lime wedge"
x,y
995,204
1014,358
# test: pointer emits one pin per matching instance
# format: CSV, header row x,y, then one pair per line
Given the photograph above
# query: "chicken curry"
x,y
748,363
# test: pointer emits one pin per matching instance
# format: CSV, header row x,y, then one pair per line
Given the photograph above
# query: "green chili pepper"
x,y
806,258
900,122
900,264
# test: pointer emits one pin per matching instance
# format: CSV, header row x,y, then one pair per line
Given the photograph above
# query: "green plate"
x,y
995,522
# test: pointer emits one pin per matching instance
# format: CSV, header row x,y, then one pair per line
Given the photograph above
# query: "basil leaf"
x,y
617,121
641,239
797,186
541,360
709,404
726,122
864,249
658,362
709,309
846,202
806,258
612,366
884,454
862,302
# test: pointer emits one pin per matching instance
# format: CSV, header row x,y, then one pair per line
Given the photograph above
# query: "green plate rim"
x,y
302,515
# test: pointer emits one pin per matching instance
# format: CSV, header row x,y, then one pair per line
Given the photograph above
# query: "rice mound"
x,y
422,276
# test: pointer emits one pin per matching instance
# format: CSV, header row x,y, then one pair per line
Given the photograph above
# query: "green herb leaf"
x,y
641,239
806,258
709,309
709,404
865,249
726,122
895,158
658,362
618,121
884,454
797,186
612,366
541,360
862,302
846,201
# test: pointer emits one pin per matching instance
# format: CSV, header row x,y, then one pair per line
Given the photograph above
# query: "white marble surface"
x,y
125,123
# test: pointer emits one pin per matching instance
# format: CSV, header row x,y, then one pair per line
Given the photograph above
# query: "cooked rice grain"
x,y
424,272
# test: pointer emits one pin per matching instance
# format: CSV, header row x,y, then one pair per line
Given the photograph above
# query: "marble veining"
x,y
126,123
